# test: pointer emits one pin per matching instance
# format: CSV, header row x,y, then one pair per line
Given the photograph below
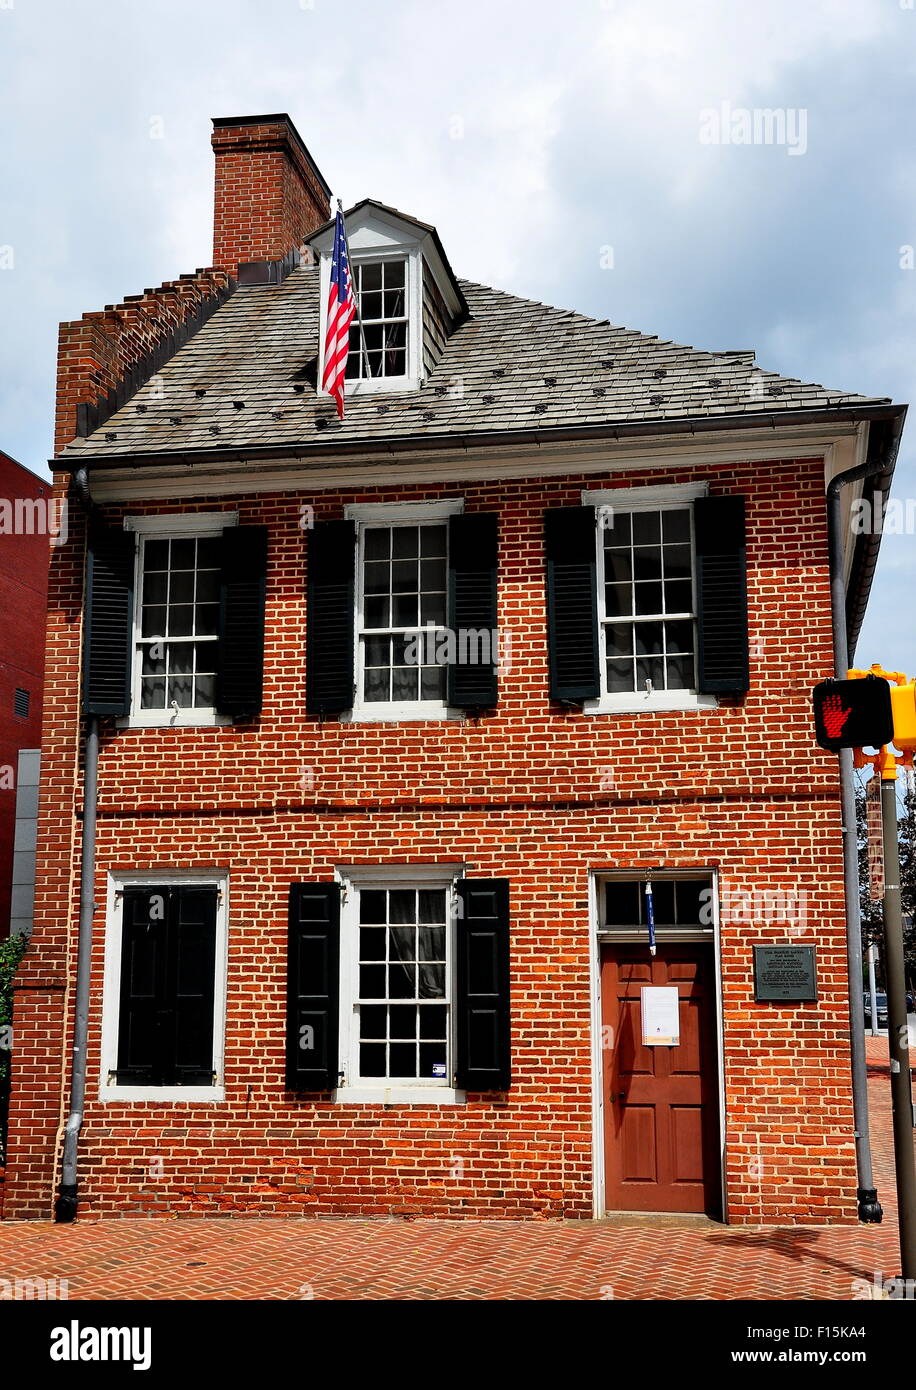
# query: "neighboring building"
x,y
371,922
24,545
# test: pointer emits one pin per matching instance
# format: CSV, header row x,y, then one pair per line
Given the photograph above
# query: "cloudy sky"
x,y
534,135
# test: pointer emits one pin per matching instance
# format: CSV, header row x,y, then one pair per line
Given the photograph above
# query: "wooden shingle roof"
x,y
247,379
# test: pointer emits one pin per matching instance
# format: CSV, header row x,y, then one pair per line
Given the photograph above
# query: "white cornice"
x,y
152,482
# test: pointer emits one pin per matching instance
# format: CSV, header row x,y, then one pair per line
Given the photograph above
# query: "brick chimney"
x,y
270,195
269,192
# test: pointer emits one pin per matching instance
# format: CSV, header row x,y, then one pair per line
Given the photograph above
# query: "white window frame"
x,y
413,280
391,514
642,499
183,524
111,987
374,1091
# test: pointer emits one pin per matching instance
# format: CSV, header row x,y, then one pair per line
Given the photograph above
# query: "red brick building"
x,y
27,526
400,716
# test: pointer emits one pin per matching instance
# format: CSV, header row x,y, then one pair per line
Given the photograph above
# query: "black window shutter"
x,y
329,633
108,638
313,986
472,561
483,1058
168,964
144,946
719,531
240,650
192,982
572,605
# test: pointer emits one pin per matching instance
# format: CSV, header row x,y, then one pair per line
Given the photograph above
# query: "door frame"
x,y
596,941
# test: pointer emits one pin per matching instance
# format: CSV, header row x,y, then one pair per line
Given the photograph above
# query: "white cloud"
x,y
531,136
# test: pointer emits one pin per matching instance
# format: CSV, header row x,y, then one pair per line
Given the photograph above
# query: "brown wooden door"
x,y
660,1103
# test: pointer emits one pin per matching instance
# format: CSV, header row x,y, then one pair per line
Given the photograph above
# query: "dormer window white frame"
x,y
377,235
381,336
413,284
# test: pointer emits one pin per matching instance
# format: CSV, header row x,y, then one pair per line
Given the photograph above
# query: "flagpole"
x,y
354,288
650,916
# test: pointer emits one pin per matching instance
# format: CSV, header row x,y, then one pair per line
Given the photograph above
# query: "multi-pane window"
x,y
403,985
402,612
649,620
378,337
179,619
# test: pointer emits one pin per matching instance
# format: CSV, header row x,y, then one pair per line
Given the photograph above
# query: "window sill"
x,y
165,1095
398,1095
376,385
646,704
168,719
400,714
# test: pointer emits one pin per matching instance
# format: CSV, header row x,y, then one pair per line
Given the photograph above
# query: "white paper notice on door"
x,y
661,1022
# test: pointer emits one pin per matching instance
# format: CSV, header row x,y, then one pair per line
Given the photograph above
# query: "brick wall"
x,y
517,794
96,352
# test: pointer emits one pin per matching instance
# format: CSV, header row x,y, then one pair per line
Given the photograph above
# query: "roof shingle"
x,y
247,379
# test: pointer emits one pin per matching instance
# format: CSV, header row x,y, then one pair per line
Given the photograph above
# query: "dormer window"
x,y
408,297
379,342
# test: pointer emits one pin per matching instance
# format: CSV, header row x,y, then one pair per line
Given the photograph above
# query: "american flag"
x,y
341,307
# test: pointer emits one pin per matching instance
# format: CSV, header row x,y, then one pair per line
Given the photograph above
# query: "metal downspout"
x,y
66,1204
869,1208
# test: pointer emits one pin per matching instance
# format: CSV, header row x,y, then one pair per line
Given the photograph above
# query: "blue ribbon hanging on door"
x,y
650,917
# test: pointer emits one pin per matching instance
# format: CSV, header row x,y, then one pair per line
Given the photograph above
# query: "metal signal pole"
x,y
898,1044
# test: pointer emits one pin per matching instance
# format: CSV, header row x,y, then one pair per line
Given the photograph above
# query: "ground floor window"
x,y
164,988
402,989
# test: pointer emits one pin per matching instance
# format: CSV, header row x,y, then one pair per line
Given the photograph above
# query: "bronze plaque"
x,y
785,974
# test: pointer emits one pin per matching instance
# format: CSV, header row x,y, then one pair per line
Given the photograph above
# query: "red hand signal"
x,y
834,715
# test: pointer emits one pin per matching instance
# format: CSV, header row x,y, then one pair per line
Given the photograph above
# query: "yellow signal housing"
x,y
903,704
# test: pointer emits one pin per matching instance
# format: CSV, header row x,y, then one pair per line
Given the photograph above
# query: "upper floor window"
x,y
646,602
647,599
402,613
379,336
174,624
178,623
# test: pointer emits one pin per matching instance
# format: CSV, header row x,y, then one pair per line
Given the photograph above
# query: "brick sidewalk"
x,y
271,1258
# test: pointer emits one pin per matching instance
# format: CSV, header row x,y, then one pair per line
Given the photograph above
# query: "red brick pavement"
x,y
214,1258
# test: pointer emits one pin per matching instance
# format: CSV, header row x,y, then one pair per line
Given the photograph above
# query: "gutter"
x,y
66,1205
883,441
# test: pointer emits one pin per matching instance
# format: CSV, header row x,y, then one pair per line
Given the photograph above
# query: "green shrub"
x,y
11,953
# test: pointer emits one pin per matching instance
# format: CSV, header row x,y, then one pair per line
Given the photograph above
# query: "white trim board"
x,y
390,513
182,523
645,499
469,463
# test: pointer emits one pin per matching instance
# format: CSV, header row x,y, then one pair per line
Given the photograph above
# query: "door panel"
x,y
660,1103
